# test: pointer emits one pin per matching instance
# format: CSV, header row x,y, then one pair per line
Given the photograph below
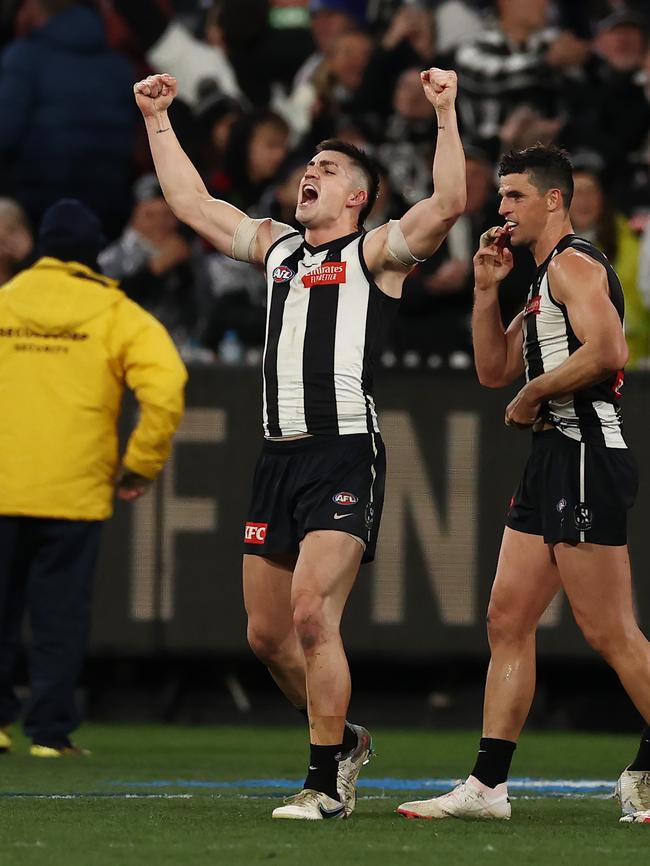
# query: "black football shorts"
x,y
574,491
319,482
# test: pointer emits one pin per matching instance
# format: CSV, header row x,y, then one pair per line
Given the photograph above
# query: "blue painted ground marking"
x,y
529,786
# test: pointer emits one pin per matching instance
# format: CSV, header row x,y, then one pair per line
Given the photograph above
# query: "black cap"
x,y
213,103
147,187
623,18
70,231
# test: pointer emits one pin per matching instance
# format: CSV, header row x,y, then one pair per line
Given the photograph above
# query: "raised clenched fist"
x,y
155,93
440,87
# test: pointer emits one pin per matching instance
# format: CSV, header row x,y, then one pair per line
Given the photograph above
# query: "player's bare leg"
x,y
271,635
598,584
526,581
323,577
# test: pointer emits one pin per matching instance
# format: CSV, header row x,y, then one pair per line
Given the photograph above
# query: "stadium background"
x,y
168,638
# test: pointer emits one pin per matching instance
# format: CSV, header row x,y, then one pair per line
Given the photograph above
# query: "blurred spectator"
x,y
71,342
409,42
257,147
434,318
389,205
289,42
406,144
67,123
594,219
157,266
619,97
16,239
279,201
170,46
437,301
456,22
330,19
518,61
214,117
330,98
238,306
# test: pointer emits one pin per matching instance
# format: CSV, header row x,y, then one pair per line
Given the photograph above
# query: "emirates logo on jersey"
x,y
533,307
282,274
327,274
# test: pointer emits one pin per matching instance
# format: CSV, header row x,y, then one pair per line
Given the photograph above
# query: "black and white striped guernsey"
x,y
590,414
326,323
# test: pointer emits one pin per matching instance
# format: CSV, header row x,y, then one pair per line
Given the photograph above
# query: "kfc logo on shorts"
x,y
533,306
327,274
255,533
282,274
344,498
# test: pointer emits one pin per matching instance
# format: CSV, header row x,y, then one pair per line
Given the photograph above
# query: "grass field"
x,y
179,812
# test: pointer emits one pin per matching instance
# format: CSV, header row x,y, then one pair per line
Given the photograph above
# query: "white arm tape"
x,y
397,246
243,241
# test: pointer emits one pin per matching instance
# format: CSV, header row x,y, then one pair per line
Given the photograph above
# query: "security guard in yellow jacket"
x,y
70,341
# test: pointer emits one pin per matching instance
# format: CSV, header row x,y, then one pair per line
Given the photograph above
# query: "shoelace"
x,y
639,785
306,797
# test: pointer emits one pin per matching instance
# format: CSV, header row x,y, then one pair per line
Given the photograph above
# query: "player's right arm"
x,y
225,226
497,352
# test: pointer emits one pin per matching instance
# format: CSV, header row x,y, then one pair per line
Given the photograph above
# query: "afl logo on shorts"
x,y
255,533
282,274
344,498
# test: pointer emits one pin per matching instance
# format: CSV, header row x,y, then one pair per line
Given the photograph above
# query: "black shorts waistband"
x,y
314,443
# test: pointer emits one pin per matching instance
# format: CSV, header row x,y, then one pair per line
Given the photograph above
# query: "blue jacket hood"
x,y
77,29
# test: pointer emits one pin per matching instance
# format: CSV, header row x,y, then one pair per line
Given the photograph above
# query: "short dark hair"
x,y
549,167
364,162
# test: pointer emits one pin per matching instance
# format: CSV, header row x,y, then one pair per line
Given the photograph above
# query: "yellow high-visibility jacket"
x,y
69,342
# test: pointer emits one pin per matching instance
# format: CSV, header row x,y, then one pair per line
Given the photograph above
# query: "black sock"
x,y
642,760
350,739
493,762
323,767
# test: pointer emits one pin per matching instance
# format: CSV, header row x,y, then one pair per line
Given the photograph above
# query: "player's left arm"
x,y
580,283
393,250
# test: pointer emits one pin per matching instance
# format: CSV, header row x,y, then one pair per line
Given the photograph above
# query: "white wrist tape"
x,y
243,241
397,246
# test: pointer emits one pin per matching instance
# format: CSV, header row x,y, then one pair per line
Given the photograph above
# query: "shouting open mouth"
x,y
308,195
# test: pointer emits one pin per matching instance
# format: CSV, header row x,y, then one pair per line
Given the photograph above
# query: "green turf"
x,y
225,828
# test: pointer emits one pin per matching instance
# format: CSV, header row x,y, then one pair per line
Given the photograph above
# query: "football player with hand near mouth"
x,y
567,522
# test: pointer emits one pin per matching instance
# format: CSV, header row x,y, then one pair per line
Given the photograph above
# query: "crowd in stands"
x,y
261,82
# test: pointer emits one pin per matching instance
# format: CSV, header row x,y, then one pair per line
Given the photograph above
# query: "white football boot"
x,y
633,791
470,799
350,766
310,805
636,818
